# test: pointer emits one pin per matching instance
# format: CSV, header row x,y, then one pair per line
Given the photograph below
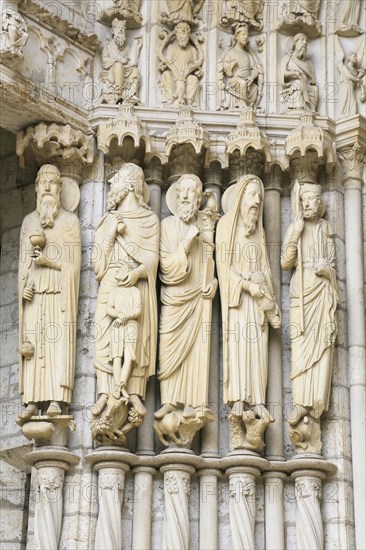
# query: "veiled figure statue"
x,y
188,288
48,300
299,90
308,247
248,306
126,255
240,74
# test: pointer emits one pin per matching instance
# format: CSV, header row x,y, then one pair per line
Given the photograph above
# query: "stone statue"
x,y
347,24
299,90
181,59
248,305
120,78
126,255
48,300
242,11
126,10
240,74
13,36
306,9
351,77
181,10
188,288
309,248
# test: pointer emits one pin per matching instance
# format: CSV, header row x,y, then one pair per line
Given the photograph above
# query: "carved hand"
x,y
38,258
28,293
298,225
255,290
131,278
322,271
209,293
123,320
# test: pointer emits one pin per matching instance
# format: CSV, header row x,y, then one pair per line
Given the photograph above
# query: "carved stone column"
x,y
309,523
208,512
353,160
242,506
51,465
111,483
177,483
274,510
142,507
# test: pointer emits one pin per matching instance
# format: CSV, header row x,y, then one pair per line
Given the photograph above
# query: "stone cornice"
x,y
25,103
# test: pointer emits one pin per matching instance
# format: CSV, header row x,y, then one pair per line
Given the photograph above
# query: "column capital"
x,y
353,159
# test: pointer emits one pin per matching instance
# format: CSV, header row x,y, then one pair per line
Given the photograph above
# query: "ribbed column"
x,y
353,160
111,484
242,506
210,432
142,507
209,509
309,523
177,483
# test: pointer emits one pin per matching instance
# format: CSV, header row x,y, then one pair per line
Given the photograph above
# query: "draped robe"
x,y
184,334
48,321
138,245
311,358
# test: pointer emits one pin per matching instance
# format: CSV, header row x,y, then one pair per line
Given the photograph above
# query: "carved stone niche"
x,y
300,16
126,10
13,37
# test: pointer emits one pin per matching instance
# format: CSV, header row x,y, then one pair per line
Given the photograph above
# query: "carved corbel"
x,y
299,17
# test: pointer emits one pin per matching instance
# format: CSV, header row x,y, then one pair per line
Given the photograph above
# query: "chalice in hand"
x,y
38,241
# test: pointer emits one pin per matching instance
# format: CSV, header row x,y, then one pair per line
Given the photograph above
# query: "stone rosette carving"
x,y
248,303
51,142
188,288
13,37
299,87
181,58
234,12
120,78
300,16
125,10
240,73
308,247
126,256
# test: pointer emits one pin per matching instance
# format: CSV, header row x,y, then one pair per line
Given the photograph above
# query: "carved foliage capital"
x,y
353,160
174,482
308,488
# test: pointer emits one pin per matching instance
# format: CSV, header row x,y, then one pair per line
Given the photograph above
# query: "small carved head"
x,y
48,188
182,31
241,35
311,200
119,31
352,58
189,196
300,45
251,201
129,178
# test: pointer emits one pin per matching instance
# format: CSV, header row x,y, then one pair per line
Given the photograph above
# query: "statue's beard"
x,y
301,53
120,40
310,213
187,212
250,218
182,42
48,207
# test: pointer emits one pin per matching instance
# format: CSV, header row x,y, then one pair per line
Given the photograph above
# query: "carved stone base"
x,y
177,429
116,419
10,57
132,17
293,25
47,430
246,431
348,31
306,435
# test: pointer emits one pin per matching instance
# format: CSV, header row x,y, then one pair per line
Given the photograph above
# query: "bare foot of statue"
x,y
238,408
54,409
298,412
137,404
99,405
165,409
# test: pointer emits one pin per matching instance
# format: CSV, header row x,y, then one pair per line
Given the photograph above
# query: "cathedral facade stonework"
x,y
183,274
